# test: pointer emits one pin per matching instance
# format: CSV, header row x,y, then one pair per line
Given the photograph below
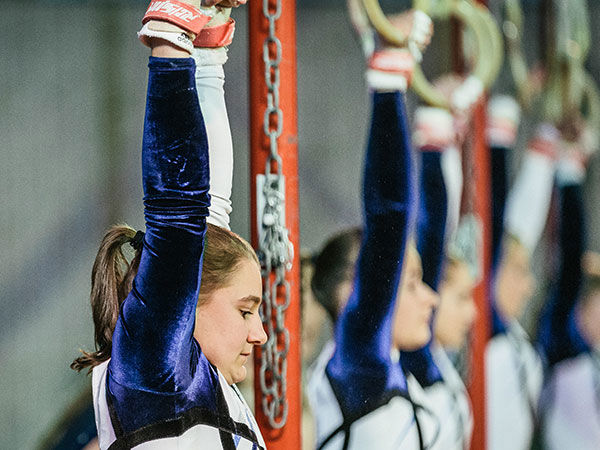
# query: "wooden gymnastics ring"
x,y
496,44
382,24
573,36
567,80
591,95
481,74
513,32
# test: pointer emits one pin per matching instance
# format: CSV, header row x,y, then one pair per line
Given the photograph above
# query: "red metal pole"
x,y
289,436
481,330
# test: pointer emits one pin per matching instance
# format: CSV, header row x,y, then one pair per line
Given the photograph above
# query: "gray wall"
x,y
72,97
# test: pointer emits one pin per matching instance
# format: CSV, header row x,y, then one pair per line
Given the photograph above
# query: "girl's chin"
x,y
239,375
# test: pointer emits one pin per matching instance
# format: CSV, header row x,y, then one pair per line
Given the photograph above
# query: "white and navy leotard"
x,y
361,393
571,399
158,390
513,367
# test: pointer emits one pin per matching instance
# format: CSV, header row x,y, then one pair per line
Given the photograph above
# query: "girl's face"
x,y
588,317
228,323
456,312
414,306
515,283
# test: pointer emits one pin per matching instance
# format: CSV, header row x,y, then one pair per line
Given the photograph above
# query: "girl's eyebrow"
x,y
251,299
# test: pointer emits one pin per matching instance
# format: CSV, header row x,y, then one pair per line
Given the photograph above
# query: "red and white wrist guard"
x,y
504,116
390,69
185,16
433,129
214,37
546,141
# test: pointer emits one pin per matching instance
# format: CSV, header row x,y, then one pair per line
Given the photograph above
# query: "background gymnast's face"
x,y
456,312
414,306
228,323
588,318
515,283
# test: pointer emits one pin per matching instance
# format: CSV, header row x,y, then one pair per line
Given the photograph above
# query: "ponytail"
x,y
113,274
112,279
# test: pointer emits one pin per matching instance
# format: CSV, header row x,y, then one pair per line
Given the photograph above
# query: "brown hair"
x,y
590,286
334,265
113,274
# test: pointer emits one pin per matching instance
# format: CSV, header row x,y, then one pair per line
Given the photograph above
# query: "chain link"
x,y
275,250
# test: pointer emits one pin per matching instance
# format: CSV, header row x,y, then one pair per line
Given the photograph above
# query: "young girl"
x,y
569,328
512,365
449,275
359,393
175,327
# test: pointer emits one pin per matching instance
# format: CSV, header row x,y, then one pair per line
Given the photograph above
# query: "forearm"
x,y
528,203
570,278
432,217
210,79
453,180
499,182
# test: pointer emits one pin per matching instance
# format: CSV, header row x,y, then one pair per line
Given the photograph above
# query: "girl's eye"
x,y
245,313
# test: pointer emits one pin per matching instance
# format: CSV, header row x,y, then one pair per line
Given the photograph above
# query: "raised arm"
x,y
152,341
560,337
361,368
503,123
432,216
433,134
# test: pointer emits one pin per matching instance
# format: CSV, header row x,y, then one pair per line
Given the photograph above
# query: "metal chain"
x,y
275,250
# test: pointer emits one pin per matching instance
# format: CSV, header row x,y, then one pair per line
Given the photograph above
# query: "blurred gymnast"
x,y
445,269
370,282
513,367
175,326
569,334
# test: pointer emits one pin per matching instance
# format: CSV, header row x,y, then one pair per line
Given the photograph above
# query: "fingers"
x,y
224,3
422,29
231,3
420,34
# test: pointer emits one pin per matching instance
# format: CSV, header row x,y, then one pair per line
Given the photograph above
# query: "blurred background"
x,y
72,93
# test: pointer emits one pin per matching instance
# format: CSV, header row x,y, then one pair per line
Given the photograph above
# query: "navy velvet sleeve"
x,y
499,181
559,335
361,370
153,347
431,231
432,216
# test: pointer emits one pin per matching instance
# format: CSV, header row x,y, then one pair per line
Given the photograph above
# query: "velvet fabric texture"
x,y
431,233
361,371
157,369
559,336
499,174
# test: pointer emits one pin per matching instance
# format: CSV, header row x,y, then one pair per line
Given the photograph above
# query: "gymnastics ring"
x,y
567,83
592,94
513,31
496,44
381,23
573,31
481,75
563,89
